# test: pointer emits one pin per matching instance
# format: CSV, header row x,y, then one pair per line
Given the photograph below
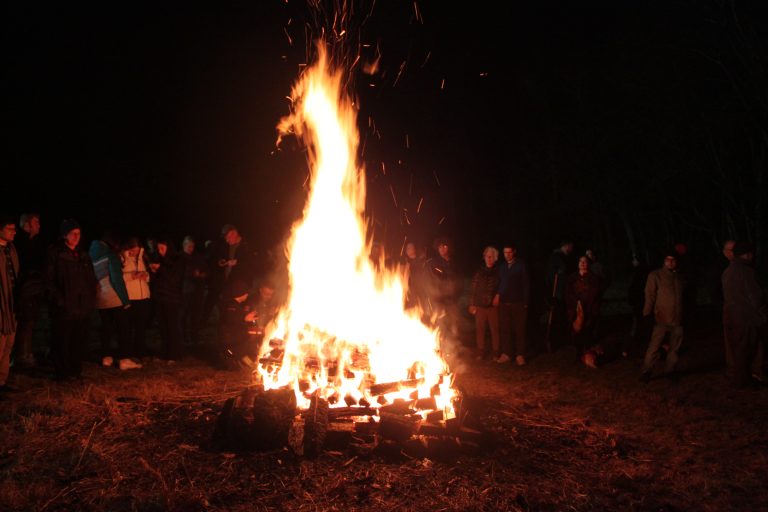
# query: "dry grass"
x,y
563,438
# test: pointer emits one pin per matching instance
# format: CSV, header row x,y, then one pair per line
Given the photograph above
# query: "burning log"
x,y
315,426
398,427
390,387
256,420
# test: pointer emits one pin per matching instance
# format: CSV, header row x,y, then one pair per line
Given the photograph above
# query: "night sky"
x,y
626,126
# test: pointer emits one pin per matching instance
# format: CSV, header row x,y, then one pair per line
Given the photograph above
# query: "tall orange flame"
x,y
344,327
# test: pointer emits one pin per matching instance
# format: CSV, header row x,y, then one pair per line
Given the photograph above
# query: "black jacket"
x,y
71,282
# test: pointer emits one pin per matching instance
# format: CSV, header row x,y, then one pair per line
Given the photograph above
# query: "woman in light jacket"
x,y
136,277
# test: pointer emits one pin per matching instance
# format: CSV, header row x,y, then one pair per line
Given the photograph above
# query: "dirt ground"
x,y
560,437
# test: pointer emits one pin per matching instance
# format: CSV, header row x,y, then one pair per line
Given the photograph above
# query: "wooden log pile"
x,y
259,420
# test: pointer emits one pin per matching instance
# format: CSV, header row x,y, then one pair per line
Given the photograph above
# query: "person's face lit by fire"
x,y
72,238
567,248
490,256
188,246
509,254
266,293
444,251
728,250
162,249
410,250
32,226
583,265
8,232
232,237
670,263
133,252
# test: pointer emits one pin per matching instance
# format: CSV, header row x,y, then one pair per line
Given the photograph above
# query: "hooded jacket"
x,y
109,272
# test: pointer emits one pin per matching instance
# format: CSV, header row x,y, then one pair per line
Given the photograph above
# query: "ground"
x,y
560,437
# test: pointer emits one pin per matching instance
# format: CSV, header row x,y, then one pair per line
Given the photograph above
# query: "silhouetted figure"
x,y
9,271
582,300
72,292
30,288
744,313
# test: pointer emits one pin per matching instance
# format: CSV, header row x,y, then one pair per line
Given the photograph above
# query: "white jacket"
x,y
138,289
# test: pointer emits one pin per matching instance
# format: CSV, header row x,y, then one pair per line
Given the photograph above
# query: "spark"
x,y
399,73
426,59
442,84
434,173
407,142
418,208
441,220
290,40
391,189
418,14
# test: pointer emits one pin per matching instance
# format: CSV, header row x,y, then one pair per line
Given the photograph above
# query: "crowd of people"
x,y
131,286
500,295
132,283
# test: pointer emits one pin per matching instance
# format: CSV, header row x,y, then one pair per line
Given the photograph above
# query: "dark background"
x,y
627,126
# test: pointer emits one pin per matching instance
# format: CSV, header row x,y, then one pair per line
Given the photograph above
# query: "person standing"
x,y
744,313
30,289
558,270
513,297
167,279
136,277
664,298
193,291
482,303
9,271
111,300
582,301
72,290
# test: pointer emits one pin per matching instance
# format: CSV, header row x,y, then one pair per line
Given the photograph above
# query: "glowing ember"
x,y
344,328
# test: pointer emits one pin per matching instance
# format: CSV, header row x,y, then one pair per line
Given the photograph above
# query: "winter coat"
x,y
485,282
664,297
744,303
138,289
167,282
586,290
71,281
109,272
7,316
514,282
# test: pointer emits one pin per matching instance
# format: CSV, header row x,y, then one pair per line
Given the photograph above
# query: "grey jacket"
x,y
664,297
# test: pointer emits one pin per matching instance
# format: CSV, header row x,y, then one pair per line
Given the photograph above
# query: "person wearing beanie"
x,y
744,314
72,291
664,298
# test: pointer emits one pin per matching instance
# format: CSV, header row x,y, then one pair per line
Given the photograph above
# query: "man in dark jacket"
x,y
482,305
30,290
166,283
72,293
560,266
513,297
664,298
744,313
232,259
446,286
9,270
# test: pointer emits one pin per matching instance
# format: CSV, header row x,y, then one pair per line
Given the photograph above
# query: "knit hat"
x,y
741,248
68,225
